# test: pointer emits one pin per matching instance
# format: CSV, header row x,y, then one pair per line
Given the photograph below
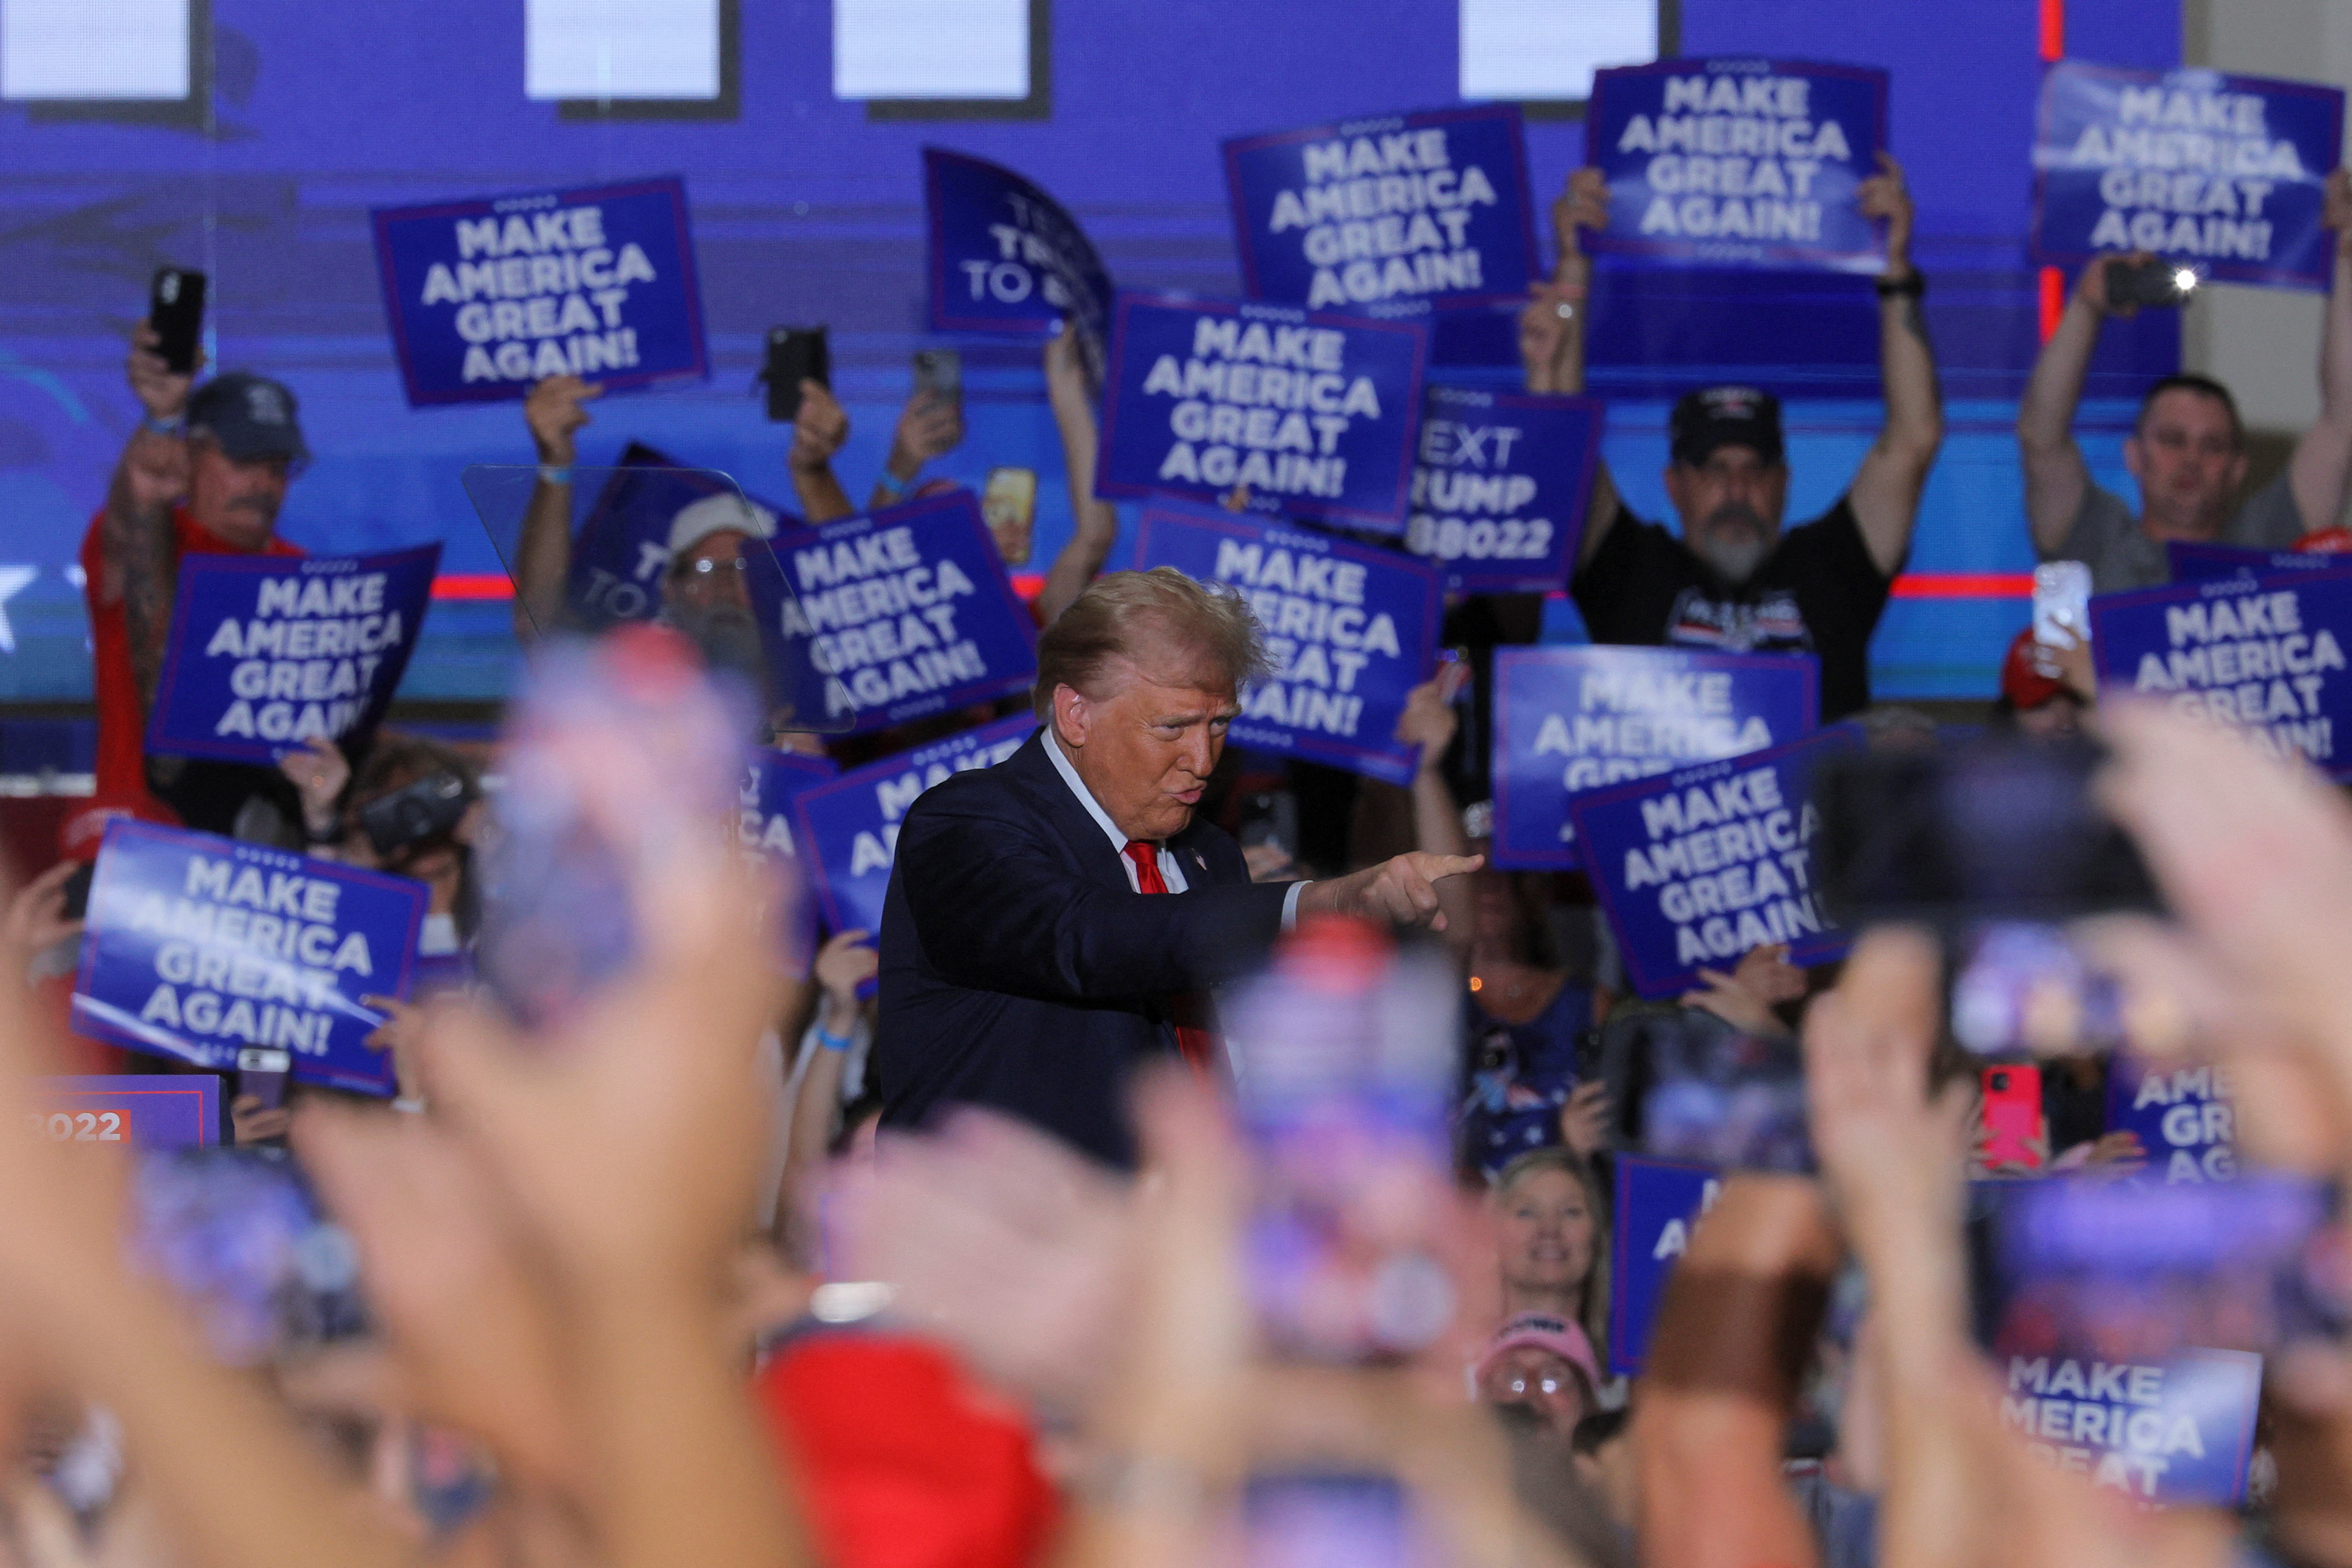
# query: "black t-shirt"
x,y
1818,591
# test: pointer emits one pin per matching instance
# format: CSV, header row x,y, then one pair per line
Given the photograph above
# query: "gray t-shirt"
x,y
2107,537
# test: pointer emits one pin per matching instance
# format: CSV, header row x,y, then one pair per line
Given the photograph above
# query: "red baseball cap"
x,y
2025,681
79,834
2325,541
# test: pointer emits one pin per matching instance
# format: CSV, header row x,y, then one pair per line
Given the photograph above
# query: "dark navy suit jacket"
x,y
1021,970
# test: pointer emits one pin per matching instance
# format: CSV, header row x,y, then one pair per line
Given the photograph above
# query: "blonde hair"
x,y
1205,630
1592,1304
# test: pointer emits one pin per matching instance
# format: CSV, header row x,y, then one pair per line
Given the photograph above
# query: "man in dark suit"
x,y
1052,922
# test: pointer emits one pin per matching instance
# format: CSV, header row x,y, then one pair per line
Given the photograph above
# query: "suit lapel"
x,y
1034,771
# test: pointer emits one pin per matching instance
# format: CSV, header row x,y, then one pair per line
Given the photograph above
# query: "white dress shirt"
x,y
1171,871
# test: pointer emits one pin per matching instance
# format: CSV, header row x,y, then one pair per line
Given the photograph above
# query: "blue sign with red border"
x,y
145,1111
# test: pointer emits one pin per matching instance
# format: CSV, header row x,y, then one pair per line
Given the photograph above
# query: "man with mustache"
x,y
204,473
1735,580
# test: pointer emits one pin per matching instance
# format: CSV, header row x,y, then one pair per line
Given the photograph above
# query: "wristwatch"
x,y
1912,284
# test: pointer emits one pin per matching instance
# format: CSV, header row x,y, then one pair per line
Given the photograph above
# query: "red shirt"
x,y
121,715
903,1461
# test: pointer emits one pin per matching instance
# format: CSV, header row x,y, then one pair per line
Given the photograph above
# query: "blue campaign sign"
x,y
199,946
2175,1432
849,826
1424,209
181,1111
1004,257
1658,1202
2223,174
1696,867
897,613
267,651
622,551
1500,483
771,781
1352,629
489,295
2193,563
1739,163
1310,415
2263,651
1572,719
2184,1118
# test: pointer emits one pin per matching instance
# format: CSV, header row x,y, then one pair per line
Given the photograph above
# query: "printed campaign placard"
x,y
199,946
1006,257
771,779
1428,208
850,825
2176,1432
899,612
1658,1202
2263,651
1572,719
1696,867
622,551
2224,173
1311,416
487,296
267,651
181,1111
1500,483
1352,629
1739,163
2186,1123
2193,563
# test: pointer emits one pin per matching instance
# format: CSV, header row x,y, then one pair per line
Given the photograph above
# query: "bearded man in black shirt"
x,y
1735,581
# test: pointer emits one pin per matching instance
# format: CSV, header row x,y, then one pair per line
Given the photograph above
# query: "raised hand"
x,y
818,429
555,417
1401,891
1885,196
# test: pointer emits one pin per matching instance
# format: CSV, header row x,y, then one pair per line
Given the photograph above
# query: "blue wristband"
x,y
555,473
833,1042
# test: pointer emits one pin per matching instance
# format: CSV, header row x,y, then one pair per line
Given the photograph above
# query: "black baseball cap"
x,y
1716,417
250,415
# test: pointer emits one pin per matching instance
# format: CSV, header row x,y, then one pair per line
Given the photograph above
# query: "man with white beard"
x,y
1734,580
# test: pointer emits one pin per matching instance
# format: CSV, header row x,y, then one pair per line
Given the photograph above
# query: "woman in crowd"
x,y
1552,1234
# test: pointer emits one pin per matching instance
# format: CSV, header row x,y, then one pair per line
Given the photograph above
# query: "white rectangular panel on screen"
x,y
1546,50
77,49
620,49
930,48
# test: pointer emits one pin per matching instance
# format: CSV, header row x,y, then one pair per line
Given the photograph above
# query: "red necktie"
x,y
1199,1045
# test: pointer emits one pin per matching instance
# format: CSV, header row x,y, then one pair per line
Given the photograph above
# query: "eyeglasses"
x,y
707,565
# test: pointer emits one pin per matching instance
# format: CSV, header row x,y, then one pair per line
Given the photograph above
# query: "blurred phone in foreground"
x,y
1997,846
2134,1271
1343,1058
241,1237
1714,1094
1322,1521
615,749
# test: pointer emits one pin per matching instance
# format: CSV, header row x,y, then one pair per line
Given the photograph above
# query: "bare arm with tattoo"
x,y
139,567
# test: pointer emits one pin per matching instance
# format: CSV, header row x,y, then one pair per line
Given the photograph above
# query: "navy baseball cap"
x,y
250,415
1727,416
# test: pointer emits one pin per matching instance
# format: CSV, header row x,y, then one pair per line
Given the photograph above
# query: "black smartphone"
x,y
794,354
2155,282
175,309
430,807
76,891
938,373
1998,831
